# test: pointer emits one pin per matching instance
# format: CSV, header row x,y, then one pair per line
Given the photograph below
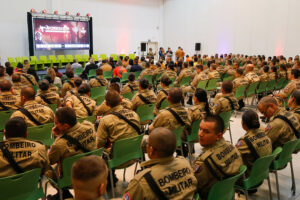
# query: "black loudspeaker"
x,y
197,46
143,46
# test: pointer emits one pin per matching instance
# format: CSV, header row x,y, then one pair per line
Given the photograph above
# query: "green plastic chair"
x,y
224,190
89,118
124,77
86,58
123,55
202,84
42,133
212,84
1,136
98,91
108,74
45,61
4,116
114,56
271,86
19,60
131,56
192,138
145,112
54,61
11,60
53,107
95,57
78,70
35,87
79,58
137,74
103,56
62,59
259,172
165,103
100,100
149,78
23,186
129,95
226,118
37,63
252,88
69,58
280,163
157,77
262,87
185,81
66,180
173,81
279,84
92,73
125,150
178,131
240,91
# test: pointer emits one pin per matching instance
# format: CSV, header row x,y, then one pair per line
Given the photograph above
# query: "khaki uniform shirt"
x,y
148,94
28,155
10,100
161,96
272,76
199,77
259,141
104,109
169,73
279,131
41,113
126,89
158,71
66,87
223,104
264,77
111,128
106,67
226,158
173,176
292,86
252,77
166,119
197,112
25,81
95,83
79,107
237,82
53,88
222,69
61,148
51,96
213,74
296,112
184,73
70,93
179,53
17,87
283,74
146,72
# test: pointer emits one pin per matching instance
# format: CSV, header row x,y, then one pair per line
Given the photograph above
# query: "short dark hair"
x,y
115,86
199,67
144,83
250,119
70,73
112,98
296,95
49,79
219,123
19,65
7,64
175,95
28,92
16,78
77,82
15,127
296,73
99,72
266,69
66,115
131,77
26,62
227,86
2,70
84,89
240,71
44,85
166,80
5,85
9,70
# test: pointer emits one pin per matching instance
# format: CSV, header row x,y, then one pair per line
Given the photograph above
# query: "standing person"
x,y
179,54
169,53
162,53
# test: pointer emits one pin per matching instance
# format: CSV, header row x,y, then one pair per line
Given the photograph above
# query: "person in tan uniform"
x,y
52,86
174,115
162,165
45,96
294,104
170,72
179,54
213,74
17,84
219,159
163,93
105,66
131,86
185,72
26,79
99,80
112,127
278,128
274,75
104,109
239,80
159,70
82,103
200,109
27,154
264,77
144,95
251,75
32,112
74,91
146,71
255,143
225,101
283,73
89,178
200,76
69,85
8,100
66,130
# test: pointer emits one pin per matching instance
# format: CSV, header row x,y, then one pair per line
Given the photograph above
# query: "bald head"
x,y
250,67
163,142
28,93
112,98
175,95
5,86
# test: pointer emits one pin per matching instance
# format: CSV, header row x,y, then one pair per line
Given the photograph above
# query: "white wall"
x,y
269,27
118,26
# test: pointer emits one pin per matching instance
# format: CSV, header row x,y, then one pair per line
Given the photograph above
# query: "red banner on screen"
x,y
60,34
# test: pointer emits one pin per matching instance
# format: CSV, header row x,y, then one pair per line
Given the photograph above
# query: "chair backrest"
x,y
92,72
137,74
124,77
226,118
252,88
212,84
33,58
24,58
4,116
68,163
42,133
202,84
52,58
286,154
114,56
100,100
297,148
21,186
108,74
97,91
165,103
262,87
280,83
178,131
129,95
69,58
103,56
125,150
18,60
86,58
194,132
53,107
78,70
95,57
131,56
260,169
185,81
78,58
89,118
145,112
1,136
43,59
61,58
224,190
271,85
123,55
148,77
240,91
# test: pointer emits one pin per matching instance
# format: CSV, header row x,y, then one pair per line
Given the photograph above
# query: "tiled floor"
x,y
262,194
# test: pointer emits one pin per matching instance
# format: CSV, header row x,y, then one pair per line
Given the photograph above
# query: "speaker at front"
x,y
197,46
143,46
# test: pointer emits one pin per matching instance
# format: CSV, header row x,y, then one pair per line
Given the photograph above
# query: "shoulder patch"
x,y
240,143
267,128
198,168
126,196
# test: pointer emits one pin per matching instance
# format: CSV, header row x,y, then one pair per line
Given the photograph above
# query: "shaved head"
x,y
265,101
112,98
5,85
28,93
175,95
163,141
250,67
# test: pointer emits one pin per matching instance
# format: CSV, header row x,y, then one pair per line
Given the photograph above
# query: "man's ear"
x,y
102,189
219,136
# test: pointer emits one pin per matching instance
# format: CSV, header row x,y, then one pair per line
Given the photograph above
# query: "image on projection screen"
x,y
60,34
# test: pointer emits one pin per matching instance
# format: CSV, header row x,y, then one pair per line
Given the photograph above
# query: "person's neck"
x,y
86,195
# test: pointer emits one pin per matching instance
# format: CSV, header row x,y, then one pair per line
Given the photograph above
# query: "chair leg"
x,y
190,152
112,183
135,168
60,194
246,194
277,185
230,134
124,175
293,179
270,189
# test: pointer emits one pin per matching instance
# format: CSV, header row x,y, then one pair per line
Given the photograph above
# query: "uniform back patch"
x,y
126,196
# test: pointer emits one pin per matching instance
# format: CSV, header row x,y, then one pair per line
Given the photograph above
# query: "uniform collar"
x,y
175,105
117,108
15,139
215,145
200,104
227,95
144,90
152,162
72,129
30,102
275,114
252,131
101,76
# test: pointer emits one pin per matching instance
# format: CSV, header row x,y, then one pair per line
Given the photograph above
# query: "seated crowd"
x,y
116,118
